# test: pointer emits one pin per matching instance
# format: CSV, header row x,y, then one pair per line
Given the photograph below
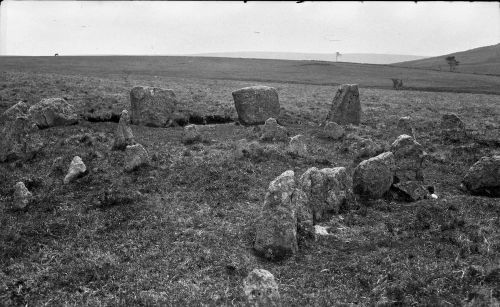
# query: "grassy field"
x,y
180,231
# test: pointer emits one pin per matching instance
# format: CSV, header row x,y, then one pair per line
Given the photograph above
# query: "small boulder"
x,y
452,128
276,229
261,290
255,104
483,178
298,146
52,112
272,132
373,177
135,157
327,191
409,157
333,131
76,169
22,196
346,107
20,109
410,191
19,140
123,133
364,148
191,134
152,106
405,126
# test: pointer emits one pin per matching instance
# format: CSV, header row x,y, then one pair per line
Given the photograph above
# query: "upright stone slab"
x,y
373,177
297,146
19,139
152,106
272,132
409,157
255,104
52,112
452,128
346,107
483,178
276,229
123,132
76,169
327,191
261,290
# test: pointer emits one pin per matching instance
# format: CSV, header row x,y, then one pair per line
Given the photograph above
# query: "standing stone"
x,y
273,132
276,229
22,196
298,146
135,157
191,134
333,131
52,112
123,133
346,107
76,169
483,178
19,139
452,128
373,177
327,191
20,109
405,126
409,157
152,106
261,290
255,104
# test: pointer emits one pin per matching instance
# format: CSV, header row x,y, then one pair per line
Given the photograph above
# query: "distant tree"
x,y
397,84
337,56
452,62
57,54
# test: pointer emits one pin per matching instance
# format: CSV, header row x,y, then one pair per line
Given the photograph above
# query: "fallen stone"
x,y
333,131
346,107
135,157
123,133
327,191
409,157
22,196
20,109
52,112
298,146
410,191
483,178
276,229
152,106
405,126
261,290
373,177
452,128
19,140
191,134
76,169
255,104
272,132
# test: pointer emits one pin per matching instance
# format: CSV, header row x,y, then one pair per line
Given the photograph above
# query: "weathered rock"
x,y
409,156
255,104
333,131
152,106
20,109
327,191
452,128
123,133
261,290
135,157
191,134
22,196
19,140
483,178
373,177
76,169
298,146
52,112
364,148
405,126
273,132
276,229
346,107
410,191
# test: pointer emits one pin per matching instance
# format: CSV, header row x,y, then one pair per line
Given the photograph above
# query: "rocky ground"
x,y
180,230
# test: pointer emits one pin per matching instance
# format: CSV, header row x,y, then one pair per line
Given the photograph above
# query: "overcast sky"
x,y
167,28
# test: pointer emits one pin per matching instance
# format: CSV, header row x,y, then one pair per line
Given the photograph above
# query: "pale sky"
x,y
169,28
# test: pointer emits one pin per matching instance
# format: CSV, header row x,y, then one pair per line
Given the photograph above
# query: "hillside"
x,y
483,60
366,58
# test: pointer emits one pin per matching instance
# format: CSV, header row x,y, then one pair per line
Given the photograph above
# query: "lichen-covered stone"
x,y
405,126
76,169
19,139
19,109
22,196
255,104
297,146
346,106
123,133
52,112
483,178
333,131
261,290
410,191
452,128
152,106
135,157
272,132
373,177
191,134
409,157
